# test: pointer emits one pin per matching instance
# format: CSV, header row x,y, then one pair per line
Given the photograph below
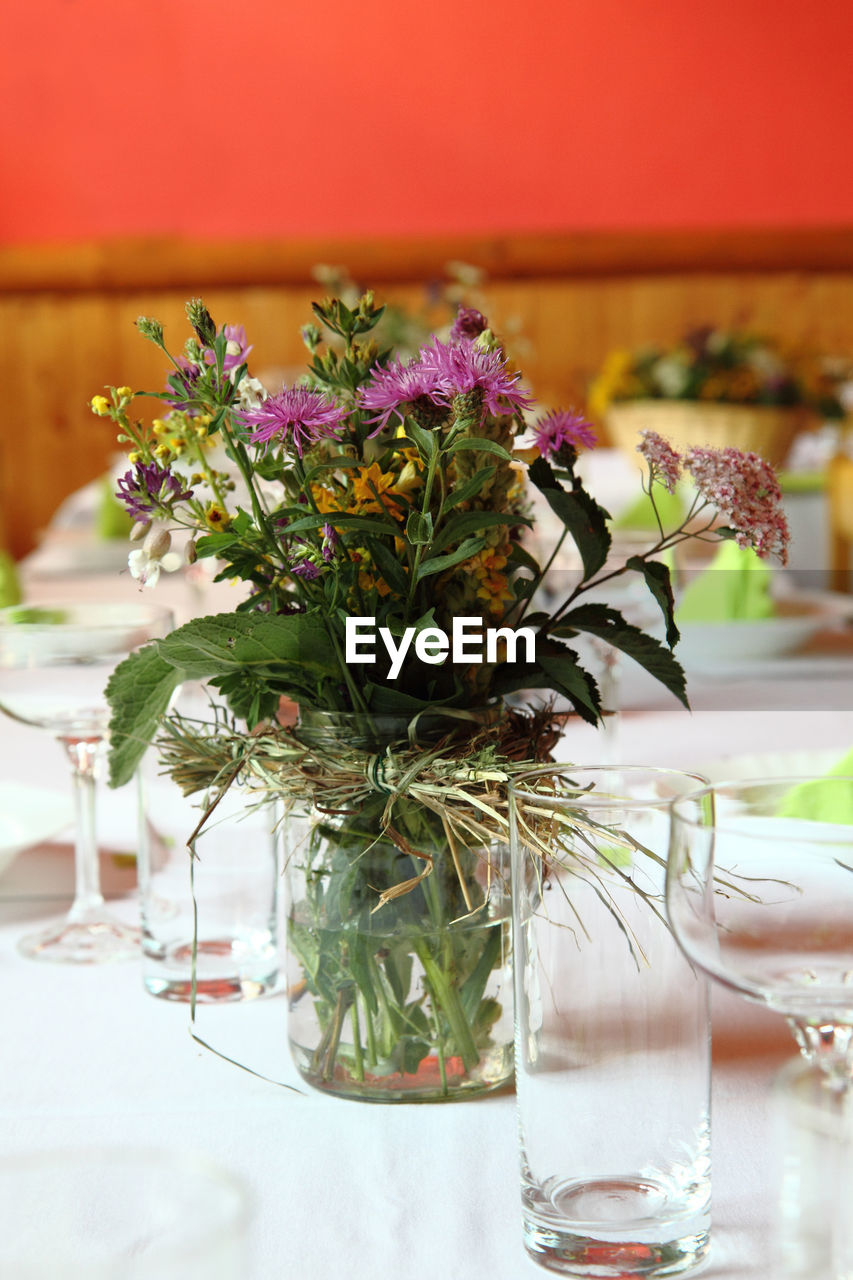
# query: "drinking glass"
x,y
55,661
813,1139
760,897
612,1029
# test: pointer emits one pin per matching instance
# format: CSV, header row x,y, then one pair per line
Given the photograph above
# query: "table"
x,y
342,1187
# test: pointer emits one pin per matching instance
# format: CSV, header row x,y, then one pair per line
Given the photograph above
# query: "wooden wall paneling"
x,y
60,345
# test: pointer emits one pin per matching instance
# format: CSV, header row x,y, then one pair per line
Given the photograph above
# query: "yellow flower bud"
x,y
158,426
134,457
216,517
161,451
124,393
100,405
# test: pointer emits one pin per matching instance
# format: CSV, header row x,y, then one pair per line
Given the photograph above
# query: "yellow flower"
x,y
373,491
100,405
368,582
614,381
526,455
134,457
124,393
325,499
216,517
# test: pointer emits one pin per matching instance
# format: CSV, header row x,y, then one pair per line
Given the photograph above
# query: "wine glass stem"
x,y
84,753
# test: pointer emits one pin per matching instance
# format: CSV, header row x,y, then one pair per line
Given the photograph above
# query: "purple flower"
x,y
236,348
439,372
465,366
149,487
469,323
392,389
561,428
305,569
184,382
297,416
330,541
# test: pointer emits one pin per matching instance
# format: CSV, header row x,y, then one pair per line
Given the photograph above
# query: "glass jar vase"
x,y
398,939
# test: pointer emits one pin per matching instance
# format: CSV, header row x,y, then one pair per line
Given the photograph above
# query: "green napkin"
x,y
801,481
111,519
734,587
822,802
641,513
10,587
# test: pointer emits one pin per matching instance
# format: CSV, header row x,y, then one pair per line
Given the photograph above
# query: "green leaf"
x,y
468,490
584,519
519,555
467,522
426,442
600,620
556,668
419,528
389,567
227,641
478,444
658,581
208,648
139,692
331,464
438,564
363,524
568,677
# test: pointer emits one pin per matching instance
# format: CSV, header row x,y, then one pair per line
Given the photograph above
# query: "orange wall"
x,y
228,118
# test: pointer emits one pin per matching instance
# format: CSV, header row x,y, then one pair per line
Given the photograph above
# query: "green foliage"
x,y
584,519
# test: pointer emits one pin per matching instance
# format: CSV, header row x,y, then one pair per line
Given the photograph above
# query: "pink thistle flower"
x,y
465,366
664,462
561,428
745,491
469,323
392,389
236,348
297,416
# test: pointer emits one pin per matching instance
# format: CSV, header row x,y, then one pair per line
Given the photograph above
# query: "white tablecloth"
x,y
345,1188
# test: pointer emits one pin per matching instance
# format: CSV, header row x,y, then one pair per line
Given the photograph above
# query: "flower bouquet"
x,y
715,387
376,515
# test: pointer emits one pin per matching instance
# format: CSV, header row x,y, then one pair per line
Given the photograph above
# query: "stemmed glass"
x,y
55,661
760,897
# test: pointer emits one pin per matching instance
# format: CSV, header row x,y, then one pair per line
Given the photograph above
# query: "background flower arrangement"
x,y
716,366
394,490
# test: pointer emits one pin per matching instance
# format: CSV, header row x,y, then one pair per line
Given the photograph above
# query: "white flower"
x,y
147,562
250,393
671,376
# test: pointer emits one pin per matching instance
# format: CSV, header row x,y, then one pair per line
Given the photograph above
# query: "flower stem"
x,y
447,998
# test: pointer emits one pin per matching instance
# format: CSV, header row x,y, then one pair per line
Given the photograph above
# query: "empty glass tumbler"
x,y
612,1030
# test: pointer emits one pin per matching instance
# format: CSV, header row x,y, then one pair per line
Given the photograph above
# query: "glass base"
x,y
615,1227
93,939
433,1081
224,973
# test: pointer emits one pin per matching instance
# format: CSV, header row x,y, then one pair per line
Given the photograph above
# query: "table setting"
x,y
326,917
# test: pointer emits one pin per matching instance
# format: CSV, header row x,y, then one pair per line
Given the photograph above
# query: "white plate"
x,y
29,815
772,764
715,646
